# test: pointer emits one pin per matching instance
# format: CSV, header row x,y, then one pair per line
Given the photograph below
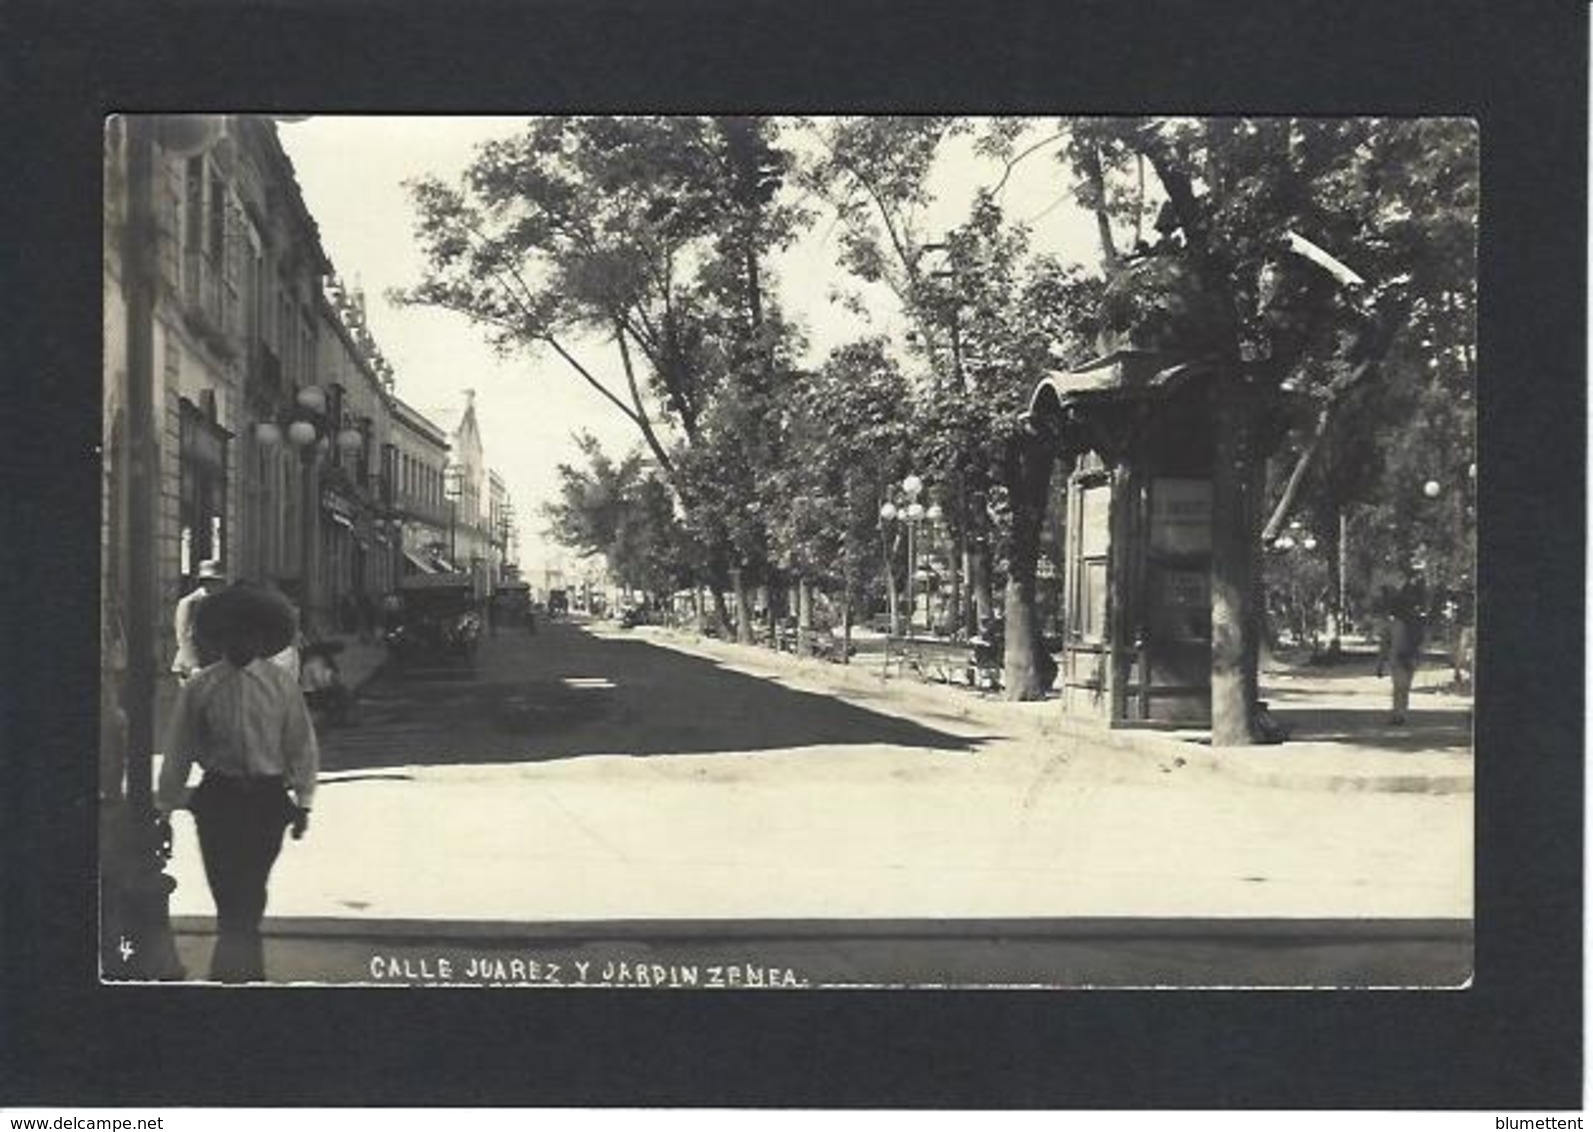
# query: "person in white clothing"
x,y
191,654
244,721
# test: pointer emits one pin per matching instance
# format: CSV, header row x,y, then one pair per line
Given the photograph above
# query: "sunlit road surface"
x,y
581,778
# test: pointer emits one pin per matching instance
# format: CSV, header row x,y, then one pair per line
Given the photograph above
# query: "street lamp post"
x,y
887,515
135,915
304,428
910,509
1456,568
452,486
306,432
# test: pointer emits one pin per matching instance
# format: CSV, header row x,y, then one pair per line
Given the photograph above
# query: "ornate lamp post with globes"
x,y
907,507
307,433
305,428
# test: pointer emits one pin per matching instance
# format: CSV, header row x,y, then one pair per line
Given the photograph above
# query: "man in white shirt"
x,y
190,658
243,720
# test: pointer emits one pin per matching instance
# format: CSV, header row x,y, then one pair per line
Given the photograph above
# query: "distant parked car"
x,y
437,622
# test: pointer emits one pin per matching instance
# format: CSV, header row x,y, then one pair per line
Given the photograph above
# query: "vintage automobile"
x,y
435,621
511,606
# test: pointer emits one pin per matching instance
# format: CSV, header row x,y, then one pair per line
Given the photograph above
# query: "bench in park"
x,y
942,661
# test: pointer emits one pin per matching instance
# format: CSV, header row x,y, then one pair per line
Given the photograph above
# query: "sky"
x,y
352,172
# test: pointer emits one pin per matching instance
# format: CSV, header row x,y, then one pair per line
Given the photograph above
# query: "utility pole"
x,y
1342,627
135,893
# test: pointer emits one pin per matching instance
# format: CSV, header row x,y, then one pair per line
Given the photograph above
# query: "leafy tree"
x,y
1011,316
989,318
1054,316
623,512
1395,197
848,437
592,500
577,227
644,233
875,173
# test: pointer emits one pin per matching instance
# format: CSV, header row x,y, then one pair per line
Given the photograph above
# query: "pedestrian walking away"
x,y
244,722
191,654
1401,645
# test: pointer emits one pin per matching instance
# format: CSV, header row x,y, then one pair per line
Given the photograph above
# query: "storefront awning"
x,y
420,564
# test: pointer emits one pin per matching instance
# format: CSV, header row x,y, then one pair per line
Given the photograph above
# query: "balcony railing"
x,y
436,514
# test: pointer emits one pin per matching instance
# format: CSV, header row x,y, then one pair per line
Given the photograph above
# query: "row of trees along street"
x,y
641,253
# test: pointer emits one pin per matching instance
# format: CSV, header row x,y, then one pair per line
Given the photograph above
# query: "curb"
x,y
568,932
1266,766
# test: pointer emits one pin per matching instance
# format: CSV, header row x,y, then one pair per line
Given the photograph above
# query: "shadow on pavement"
x,y
565,693
1425,730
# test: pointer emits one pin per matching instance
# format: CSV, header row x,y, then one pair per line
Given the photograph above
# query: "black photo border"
x,y
1511,1041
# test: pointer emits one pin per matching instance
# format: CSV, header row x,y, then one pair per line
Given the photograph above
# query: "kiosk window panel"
x,y
1182,609
1180,521
1092,599
1095,532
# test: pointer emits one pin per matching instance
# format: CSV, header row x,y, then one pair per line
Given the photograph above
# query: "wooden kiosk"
x,y
1134,431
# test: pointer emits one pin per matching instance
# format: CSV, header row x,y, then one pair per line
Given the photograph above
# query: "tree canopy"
x,y
1327,265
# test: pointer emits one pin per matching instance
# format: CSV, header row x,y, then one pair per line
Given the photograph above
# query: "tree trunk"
x,y
1025,673
744,634
1291,488
1334,548
846,626
890,582
965,604
776,606
848,578
956,560
718,583
804,642
979,571
1235,627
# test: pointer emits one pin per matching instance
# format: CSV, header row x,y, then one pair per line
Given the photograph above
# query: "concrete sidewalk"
x,y
1340,737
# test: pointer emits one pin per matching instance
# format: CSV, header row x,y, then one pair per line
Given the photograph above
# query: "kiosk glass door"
x,y
1176,677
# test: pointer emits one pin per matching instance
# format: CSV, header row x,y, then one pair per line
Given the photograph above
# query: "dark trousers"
x,y
240,822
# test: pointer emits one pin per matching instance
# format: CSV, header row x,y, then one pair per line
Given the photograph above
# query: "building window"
x,y
1092,544
194,204
202,501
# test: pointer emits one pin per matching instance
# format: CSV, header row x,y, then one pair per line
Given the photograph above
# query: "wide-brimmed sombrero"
x,y
245,617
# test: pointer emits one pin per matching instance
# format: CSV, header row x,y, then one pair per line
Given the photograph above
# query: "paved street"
x,y
586,776
567,692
